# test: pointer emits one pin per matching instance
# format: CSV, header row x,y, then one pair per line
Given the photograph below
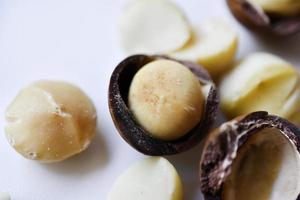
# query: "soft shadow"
x,y
286,47
95,157
187,164
192,191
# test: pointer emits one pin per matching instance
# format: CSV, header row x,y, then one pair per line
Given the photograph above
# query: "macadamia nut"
x,y
50,121
149,179
166,99
266,167
154,26
252,157
262,82
213,45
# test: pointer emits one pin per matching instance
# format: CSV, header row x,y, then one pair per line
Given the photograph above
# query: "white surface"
x,y
77,41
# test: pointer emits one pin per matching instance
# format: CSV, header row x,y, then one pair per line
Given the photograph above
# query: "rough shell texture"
x,y
222,145
132,132
257,19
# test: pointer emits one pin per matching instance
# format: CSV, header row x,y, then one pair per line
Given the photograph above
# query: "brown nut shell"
x,y
224,144
132,132
258,20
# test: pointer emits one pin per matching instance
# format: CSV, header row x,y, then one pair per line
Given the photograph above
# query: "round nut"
x,y
50,121
166,99
132,131
254,17
252,157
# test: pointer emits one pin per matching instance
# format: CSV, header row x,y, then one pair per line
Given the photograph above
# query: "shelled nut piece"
x,y
154,26
151,178
213,45
252,157
262,82
50,121
281,17
161,106
4,196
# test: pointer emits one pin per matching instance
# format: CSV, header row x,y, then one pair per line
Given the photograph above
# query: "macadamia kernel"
x,y
213,45
50,121
166,99
262,82
149,179
154,26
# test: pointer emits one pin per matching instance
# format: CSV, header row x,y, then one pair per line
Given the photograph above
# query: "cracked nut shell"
x,y
132,132
255,18
227,166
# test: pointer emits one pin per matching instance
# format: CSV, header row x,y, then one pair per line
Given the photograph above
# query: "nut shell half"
x,y
255,18
132,132
223,145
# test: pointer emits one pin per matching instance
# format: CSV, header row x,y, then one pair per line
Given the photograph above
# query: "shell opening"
x,y
267,167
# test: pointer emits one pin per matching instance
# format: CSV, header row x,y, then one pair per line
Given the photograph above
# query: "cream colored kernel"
x,y
166,99
47,122
148,179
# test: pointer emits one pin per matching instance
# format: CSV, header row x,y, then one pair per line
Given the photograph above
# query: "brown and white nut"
x,y
50,121
138,117
252,157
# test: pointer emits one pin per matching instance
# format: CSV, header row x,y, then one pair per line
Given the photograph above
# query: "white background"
x,y
77,41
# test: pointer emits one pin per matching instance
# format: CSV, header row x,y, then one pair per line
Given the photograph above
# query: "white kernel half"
x,y
149,179
213,45
153,26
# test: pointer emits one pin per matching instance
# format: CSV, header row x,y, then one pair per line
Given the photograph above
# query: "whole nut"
x,y
133,132
166,99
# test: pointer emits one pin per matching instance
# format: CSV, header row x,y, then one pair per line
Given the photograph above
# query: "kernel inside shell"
x,y
166,99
